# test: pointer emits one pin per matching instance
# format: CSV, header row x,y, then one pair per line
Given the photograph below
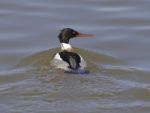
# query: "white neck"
x,y
65,46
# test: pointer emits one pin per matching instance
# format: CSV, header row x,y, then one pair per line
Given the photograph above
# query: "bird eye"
x,y
73,32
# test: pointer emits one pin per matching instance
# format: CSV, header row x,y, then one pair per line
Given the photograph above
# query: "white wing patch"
x,y
57,56
57,62
83,64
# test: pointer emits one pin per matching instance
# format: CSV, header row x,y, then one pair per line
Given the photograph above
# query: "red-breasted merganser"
x,y
66,59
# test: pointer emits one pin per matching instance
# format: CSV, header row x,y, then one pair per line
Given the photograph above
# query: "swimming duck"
x,y
66,59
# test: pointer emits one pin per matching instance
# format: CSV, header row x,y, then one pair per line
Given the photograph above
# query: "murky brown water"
x,y
118,57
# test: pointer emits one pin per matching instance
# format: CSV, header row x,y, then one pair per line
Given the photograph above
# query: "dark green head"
x,y
67,33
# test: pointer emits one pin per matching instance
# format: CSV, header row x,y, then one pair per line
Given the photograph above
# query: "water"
x,y
118,57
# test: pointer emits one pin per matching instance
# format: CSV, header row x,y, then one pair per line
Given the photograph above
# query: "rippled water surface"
x,y
118,57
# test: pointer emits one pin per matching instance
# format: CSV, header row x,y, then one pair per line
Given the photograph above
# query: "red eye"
x,y
74,33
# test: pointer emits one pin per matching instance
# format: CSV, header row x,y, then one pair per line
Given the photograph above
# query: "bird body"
x,y
69,61
66,59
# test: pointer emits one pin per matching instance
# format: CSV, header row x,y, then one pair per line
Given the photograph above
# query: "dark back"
x,y
73,59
